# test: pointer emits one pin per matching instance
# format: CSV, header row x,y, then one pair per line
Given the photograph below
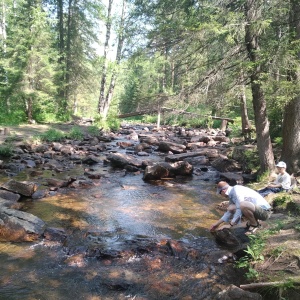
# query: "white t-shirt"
x,y
284,180
239,193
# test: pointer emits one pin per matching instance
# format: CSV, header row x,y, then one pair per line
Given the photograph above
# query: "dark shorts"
x,y
261,214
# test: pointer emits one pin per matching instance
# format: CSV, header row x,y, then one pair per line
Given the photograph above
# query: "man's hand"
x,y
213,227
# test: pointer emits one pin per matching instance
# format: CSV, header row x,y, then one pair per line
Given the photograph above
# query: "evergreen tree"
x,y
29,60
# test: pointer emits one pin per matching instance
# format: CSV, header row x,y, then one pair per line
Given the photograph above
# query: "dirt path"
x,y
26,131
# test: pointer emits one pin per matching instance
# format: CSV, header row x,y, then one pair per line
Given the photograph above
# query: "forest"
x,y
235,59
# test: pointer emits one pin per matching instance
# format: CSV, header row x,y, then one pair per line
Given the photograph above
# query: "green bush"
x,y
111,123
6,150
93,130
282,199
14,118
76,133
51,135
278,141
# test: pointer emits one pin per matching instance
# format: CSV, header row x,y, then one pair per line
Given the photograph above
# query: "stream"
x,y
114,212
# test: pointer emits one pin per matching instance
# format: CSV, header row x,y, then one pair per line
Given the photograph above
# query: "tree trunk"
x,y
61,45
68,54
111,88
291,131
246,126
265,151
102,106
4,35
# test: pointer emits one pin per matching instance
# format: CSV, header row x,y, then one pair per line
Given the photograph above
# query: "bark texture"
x,y
291,130
252,32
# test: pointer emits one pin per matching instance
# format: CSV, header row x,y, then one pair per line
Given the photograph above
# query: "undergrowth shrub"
x,y
281,199
93,130
51,135
76,133
6,150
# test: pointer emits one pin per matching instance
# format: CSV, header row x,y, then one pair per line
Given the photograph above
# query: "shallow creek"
x,y
119,207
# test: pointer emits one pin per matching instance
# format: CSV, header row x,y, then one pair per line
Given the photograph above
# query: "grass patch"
x,y
76,134
282,200
51,135
93,130
6,150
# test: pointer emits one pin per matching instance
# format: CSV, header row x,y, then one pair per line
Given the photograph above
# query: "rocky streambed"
x,y
119,215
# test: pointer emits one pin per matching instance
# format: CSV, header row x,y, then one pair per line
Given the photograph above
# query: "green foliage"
x,y
252,160
15,117
254,251
76,133
51,135
297,227
282,198
93,130
278,141
111,123
152,119
6,150
277,251
253,256
263,177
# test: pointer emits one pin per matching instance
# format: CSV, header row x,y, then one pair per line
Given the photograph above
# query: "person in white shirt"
x,y
281,183
243,201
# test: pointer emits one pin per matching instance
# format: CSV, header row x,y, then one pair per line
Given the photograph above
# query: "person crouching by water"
x,y
243,201
281,183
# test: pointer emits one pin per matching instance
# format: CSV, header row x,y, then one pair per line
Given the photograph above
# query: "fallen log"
x,y
164,109
261,284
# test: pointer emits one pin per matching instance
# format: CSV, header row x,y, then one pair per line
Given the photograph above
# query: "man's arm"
x,y
236,198
216,225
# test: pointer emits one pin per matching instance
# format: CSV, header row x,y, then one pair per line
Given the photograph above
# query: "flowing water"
x,y
118,207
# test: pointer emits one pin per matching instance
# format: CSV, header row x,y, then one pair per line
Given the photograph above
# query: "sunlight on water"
x,y
118,208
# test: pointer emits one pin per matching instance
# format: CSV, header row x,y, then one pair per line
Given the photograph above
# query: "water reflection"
x,y
117,208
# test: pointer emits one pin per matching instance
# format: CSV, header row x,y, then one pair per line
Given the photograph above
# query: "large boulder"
x,y
165,170
173,147
19,226
224,164
24,188
122,160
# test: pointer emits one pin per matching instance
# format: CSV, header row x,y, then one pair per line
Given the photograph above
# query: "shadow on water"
x,y
114,210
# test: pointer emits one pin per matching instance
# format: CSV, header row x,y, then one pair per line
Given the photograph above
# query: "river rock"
x,y
24,188
233,292
151,140
7,195
55,234
232,178
184,156
29,163
19,226
223,164
91,160
164,170
58,183
173,147
122,160
232,238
